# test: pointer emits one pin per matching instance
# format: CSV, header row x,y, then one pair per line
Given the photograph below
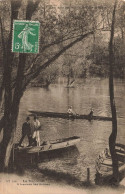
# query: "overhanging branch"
x,y
51,60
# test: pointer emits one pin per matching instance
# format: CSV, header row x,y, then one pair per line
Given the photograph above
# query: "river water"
x,y
94,135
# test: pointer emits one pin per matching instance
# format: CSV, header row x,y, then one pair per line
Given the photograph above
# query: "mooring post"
x,y
88,174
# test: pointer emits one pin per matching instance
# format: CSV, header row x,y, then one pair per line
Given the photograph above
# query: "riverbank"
x,y
33,183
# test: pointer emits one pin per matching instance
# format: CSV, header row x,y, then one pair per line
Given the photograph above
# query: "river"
x,y
93,92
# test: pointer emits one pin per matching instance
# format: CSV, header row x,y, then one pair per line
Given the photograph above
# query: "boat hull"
x,y
50,146
68,116
104,168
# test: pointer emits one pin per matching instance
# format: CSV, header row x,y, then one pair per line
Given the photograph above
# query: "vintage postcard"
x,y
62,96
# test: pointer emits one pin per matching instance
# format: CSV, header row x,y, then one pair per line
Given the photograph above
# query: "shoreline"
x,y
35,182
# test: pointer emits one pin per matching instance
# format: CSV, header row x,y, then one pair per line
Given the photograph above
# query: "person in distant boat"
x,y
36,134
26,131
91,113
70,111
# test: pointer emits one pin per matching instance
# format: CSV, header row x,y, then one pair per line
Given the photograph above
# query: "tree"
x,y
112,138
99,50
48,76
67,70
12,95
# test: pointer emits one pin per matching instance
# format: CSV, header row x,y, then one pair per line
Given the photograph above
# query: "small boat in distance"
x,y
68,116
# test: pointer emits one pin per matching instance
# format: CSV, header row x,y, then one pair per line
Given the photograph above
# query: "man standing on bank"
x,y
26,130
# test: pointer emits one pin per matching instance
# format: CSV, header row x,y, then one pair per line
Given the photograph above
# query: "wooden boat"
x,y
68,116
104,163
50,146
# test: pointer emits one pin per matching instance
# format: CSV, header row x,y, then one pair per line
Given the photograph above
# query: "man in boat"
x,y
91,114
70,111
26,131
36,134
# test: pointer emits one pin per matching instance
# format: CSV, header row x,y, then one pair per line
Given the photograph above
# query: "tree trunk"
x,y
18,92
13,124
2,89
12,99
112,138
11,116
2,93
8,138
7,65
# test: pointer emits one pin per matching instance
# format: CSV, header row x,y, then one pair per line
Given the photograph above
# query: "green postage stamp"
x,y
25,36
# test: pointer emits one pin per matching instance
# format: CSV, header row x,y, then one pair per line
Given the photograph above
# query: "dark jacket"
x,y
26,129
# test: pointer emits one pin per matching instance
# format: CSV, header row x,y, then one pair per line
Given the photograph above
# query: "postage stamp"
x,y
25,36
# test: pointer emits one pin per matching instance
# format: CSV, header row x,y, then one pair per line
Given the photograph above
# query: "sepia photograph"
x,y
62,96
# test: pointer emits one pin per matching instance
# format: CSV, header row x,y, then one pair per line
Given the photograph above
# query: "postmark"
x,y
25,36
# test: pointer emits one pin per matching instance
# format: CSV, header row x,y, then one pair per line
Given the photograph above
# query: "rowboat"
x,y
68,116
50,150
50,146
103,166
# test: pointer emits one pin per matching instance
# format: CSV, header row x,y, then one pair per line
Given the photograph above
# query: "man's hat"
x,y
28,118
